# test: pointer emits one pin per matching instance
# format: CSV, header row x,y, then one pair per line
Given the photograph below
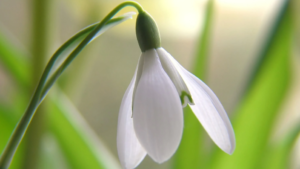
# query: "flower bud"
x,y
147,32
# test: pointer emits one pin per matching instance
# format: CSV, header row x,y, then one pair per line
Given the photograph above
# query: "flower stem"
x,y
41,17
45,84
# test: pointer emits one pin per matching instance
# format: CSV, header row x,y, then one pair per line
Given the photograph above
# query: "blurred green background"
x,y
246,51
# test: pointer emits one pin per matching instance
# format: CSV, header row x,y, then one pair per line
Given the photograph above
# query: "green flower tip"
x,y
185,94
147,32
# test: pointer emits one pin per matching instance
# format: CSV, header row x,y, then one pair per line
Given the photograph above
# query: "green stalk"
x,y
191,152
201,61
278,156
23,124
257,111
41,11
266,46
82,33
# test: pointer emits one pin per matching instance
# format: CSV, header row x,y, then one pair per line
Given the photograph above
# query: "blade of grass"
x,y
190,153
52,156
201,60
278,155
40,37
38,95
15,61
56,73
81,146
256,114
267,45
7,124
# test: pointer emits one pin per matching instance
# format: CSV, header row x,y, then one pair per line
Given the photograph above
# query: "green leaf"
x,y
201,60
14,61
256,114
22,126
7,124
65,54
80,145
51,155
278,155
191,153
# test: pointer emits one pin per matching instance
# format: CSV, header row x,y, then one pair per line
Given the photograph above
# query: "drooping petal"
x,y
177,80
138,74
208,109
157,111
130,151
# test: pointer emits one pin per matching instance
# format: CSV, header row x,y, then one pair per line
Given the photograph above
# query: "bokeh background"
x,y
247,51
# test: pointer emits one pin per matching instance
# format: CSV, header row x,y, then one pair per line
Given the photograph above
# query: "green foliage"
x,y
278,154
69,135
86,154
7,124
201,60
191,153
79,144
255,116
14,61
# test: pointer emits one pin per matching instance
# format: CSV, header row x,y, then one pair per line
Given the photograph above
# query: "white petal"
x,y
177,80
157,111
130,151
208,109
138,74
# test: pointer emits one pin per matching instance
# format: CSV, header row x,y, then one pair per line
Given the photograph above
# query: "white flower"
x,y
151,116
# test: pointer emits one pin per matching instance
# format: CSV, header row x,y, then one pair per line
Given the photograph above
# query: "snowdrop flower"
x,y
151,116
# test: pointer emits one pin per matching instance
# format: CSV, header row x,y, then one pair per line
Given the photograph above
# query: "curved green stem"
x,y
94,32
41,91
67,44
